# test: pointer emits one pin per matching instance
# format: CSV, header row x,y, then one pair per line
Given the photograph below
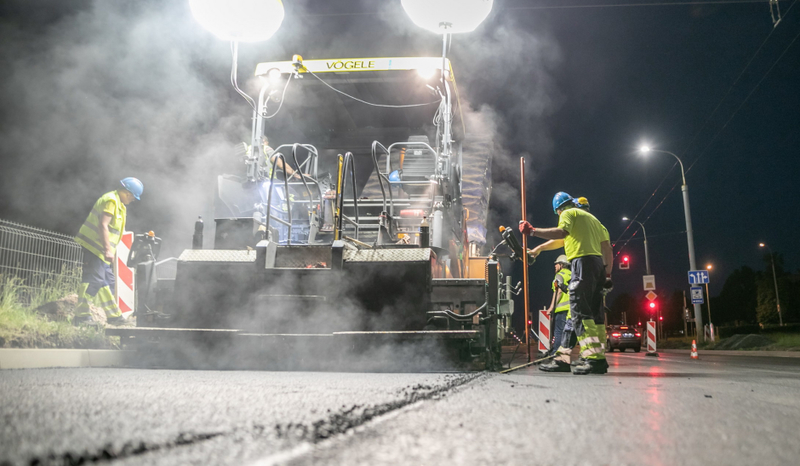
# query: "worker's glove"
x,y
525,228
608,285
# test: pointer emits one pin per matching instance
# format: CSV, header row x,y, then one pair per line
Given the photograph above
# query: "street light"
x,y
775,280
698,316
646,254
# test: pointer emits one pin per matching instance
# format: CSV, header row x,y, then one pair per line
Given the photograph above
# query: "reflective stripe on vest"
x,y
90,235
563,303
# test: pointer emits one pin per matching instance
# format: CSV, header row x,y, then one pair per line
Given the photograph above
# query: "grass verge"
x,y
22,327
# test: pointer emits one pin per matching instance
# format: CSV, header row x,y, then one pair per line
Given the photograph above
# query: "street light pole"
x,y
708,297
646,253
775,280
698,315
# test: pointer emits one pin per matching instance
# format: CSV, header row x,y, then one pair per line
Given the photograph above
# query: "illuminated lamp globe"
x,y
239,20
448,16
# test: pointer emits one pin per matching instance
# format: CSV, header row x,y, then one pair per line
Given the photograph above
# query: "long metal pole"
x,y
646,253
775,279
708,306
525,256
698,315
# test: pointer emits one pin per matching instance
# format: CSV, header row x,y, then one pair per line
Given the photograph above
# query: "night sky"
x,y
95,91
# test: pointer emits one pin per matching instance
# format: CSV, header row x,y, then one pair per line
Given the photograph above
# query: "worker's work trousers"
x,y
586,309
97,283
559,321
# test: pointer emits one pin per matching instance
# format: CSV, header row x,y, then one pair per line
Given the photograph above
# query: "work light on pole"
x,y
239,20
448,16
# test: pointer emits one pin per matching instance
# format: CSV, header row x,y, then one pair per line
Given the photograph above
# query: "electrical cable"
x,y
283,95
235,74
364,101
625,5
564,7
713,139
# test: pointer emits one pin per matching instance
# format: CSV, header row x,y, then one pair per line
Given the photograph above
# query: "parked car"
x,y
622,337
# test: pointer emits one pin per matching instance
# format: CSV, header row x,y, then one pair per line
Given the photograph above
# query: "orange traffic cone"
x,y
694,350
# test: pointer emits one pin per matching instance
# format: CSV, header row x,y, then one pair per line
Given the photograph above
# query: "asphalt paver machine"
x,y
365,250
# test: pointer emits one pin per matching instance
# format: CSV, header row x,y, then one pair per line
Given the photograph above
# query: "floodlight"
x,y
448,16
239,20
644,149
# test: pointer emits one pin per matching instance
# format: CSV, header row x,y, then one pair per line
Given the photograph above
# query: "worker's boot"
x,y
591,366
554,366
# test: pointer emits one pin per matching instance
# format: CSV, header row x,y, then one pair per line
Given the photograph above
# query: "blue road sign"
x,y
698,277
697,295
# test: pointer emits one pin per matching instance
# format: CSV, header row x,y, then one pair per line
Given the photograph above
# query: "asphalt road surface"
x,y
670,410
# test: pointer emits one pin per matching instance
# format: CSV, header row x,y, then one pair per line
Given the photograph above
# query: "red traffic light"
x,y
652,305
625,263
530,322
660,317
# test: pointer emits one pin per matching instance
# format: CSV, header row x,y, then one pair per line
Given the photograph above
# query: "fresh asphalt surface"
x,y
669,410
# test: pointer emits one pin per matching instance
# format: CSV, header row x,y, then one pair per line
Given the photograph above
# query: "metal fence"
x,y
38,258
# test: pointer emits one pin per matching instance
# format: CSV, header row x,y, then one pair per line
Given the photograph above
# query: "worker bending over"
x,y
99,236
559,306
585,242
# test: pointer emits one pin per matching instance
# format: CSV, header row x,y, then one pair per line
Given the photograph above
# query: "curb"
x,y
767,354
40,358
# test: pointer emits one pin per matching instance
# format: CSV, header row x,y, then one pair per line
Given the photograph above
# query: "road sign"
x,y
698,277
697,295
649,282
651,295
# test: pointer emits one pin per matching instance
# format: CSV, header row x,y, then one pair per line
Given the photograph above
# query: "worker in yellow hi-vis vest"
x,y
559,307
586,244
99,236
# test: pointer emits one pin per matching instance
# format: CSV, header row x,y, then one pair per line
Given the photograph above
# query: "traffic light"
x,y
652,306
625,263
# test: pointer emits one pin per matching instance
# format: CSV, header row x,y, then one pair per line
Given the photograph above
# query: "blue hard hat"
x,y
560,199
133,185
394,176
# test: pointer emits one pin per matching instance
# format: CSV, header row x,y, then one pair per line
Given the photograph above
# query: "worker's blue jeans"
x,y
559,321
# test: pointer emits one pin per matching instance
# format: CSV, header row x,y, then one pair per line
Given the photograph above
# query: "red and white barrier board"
x,y
651,336
124,275
544,331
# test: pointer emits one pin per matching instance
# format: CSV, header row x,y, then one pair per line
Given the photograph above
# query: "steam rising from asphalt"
x,y
110,90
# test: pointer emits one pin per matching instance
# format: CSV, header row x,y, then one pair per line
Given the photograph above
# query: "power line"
x,y
557,7
624,5
713,139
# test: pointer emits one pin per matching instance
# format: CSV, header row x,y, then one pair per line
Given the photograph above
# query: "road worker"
x,y
589,252
559,306
99,236
272,158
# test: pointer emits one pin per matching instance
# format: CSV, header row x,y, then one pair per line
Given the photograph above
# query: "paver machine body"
x,y
367,245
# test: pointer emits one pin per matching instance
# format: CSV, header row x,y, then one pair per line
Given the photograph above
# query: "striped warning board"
x,y
651,336
544,331
125,276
